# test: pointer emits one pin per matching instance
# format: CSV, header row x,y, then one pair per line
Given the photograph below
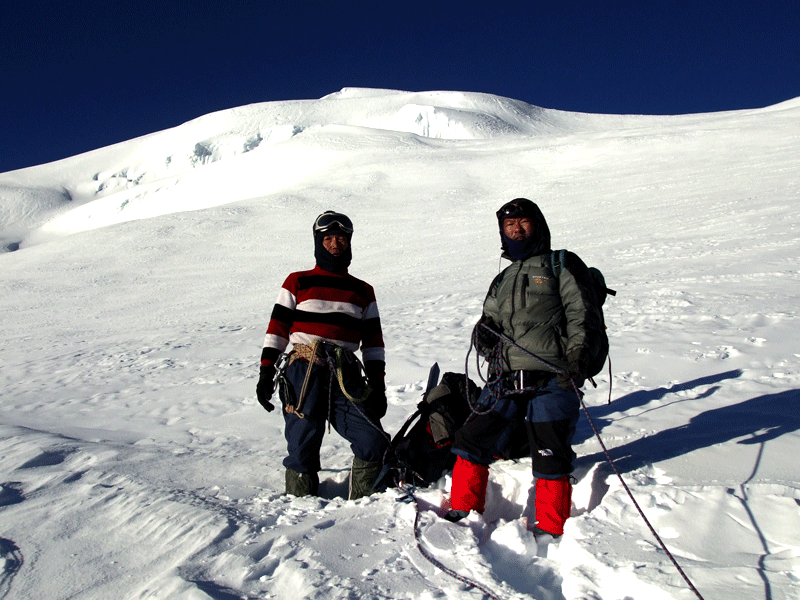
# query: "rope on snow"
x,y
447,570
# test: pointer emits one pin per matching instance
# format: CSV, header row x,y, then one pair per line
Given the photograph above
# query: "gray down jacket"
x,y
550,317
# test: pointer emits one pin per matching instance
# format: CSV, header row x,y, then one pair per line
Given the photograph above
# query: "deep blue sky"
x,y
78,75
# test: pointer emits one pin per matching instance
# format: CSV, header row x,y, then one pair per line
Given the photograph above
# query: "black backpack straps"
x,y
557,262
421,412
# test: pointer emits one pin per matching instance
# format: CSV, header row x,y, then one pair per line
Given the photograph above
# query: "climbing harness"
x,y
505,339
311,354
321,353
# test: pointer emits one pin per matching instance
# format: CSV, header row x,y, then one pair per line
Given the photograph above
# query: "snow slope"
x,y
136,462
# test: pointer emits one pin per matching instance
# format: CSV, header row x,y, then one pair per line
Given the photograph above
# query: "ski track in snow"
x,y
136,463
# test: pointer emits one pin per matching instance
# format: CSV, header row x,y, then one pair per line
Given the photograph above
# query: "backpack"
x,y
602,292
420,454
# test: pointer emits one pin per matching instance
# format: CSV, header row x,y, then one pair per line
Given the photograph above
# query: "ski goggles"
x,y
513,209
330,220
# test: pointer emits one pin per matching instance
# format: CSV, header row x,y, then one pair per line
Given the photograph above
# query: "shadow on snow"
x,y
756,421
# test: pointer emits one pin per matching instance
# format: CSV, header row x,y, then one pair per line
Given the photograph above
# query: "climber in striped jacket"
x,y
326,315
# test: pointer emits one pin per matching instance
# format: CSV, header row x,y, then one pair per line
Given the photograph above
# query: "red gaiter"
x,y
553,504
468,491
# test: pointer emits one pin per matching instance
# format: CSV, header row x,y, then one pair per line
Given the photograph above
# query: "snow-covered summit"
x,y
130,171
268,146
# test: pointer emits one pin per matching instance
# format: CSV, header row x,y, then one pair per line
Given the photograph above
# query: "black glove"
x,y
265,387
486,340
378,404
576,366
376,378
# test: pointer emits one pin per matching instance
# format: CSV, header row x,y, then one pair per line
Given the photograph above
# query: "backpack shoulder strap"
x,y
557,262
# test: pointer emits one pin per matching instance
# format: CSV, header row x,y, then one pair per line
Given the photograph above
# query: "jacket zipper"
x,y
523,290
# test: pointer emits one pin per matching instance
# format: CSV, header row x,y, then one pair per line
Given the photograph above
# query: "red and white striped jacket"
x,y
332,307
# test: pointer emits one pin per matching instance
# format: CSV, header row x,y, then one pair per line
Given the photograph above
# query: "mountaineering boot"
x,y
468,490
454,516
301,484
544,537
553,504
362,477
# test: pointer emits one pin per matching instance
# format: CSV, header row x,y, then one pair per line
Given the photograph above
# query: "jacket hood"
x,y
538,243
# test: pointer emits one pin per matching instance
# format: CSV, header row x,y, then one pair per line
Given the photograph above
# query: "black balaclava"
x,y
537,243
326,260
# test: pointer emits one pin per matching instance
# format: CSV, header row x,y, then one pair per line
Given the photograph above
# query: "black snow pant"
x,y
550,416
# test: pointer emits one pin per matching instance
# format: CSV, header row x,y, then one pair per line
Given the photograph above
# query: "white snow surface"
x,y
138,281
